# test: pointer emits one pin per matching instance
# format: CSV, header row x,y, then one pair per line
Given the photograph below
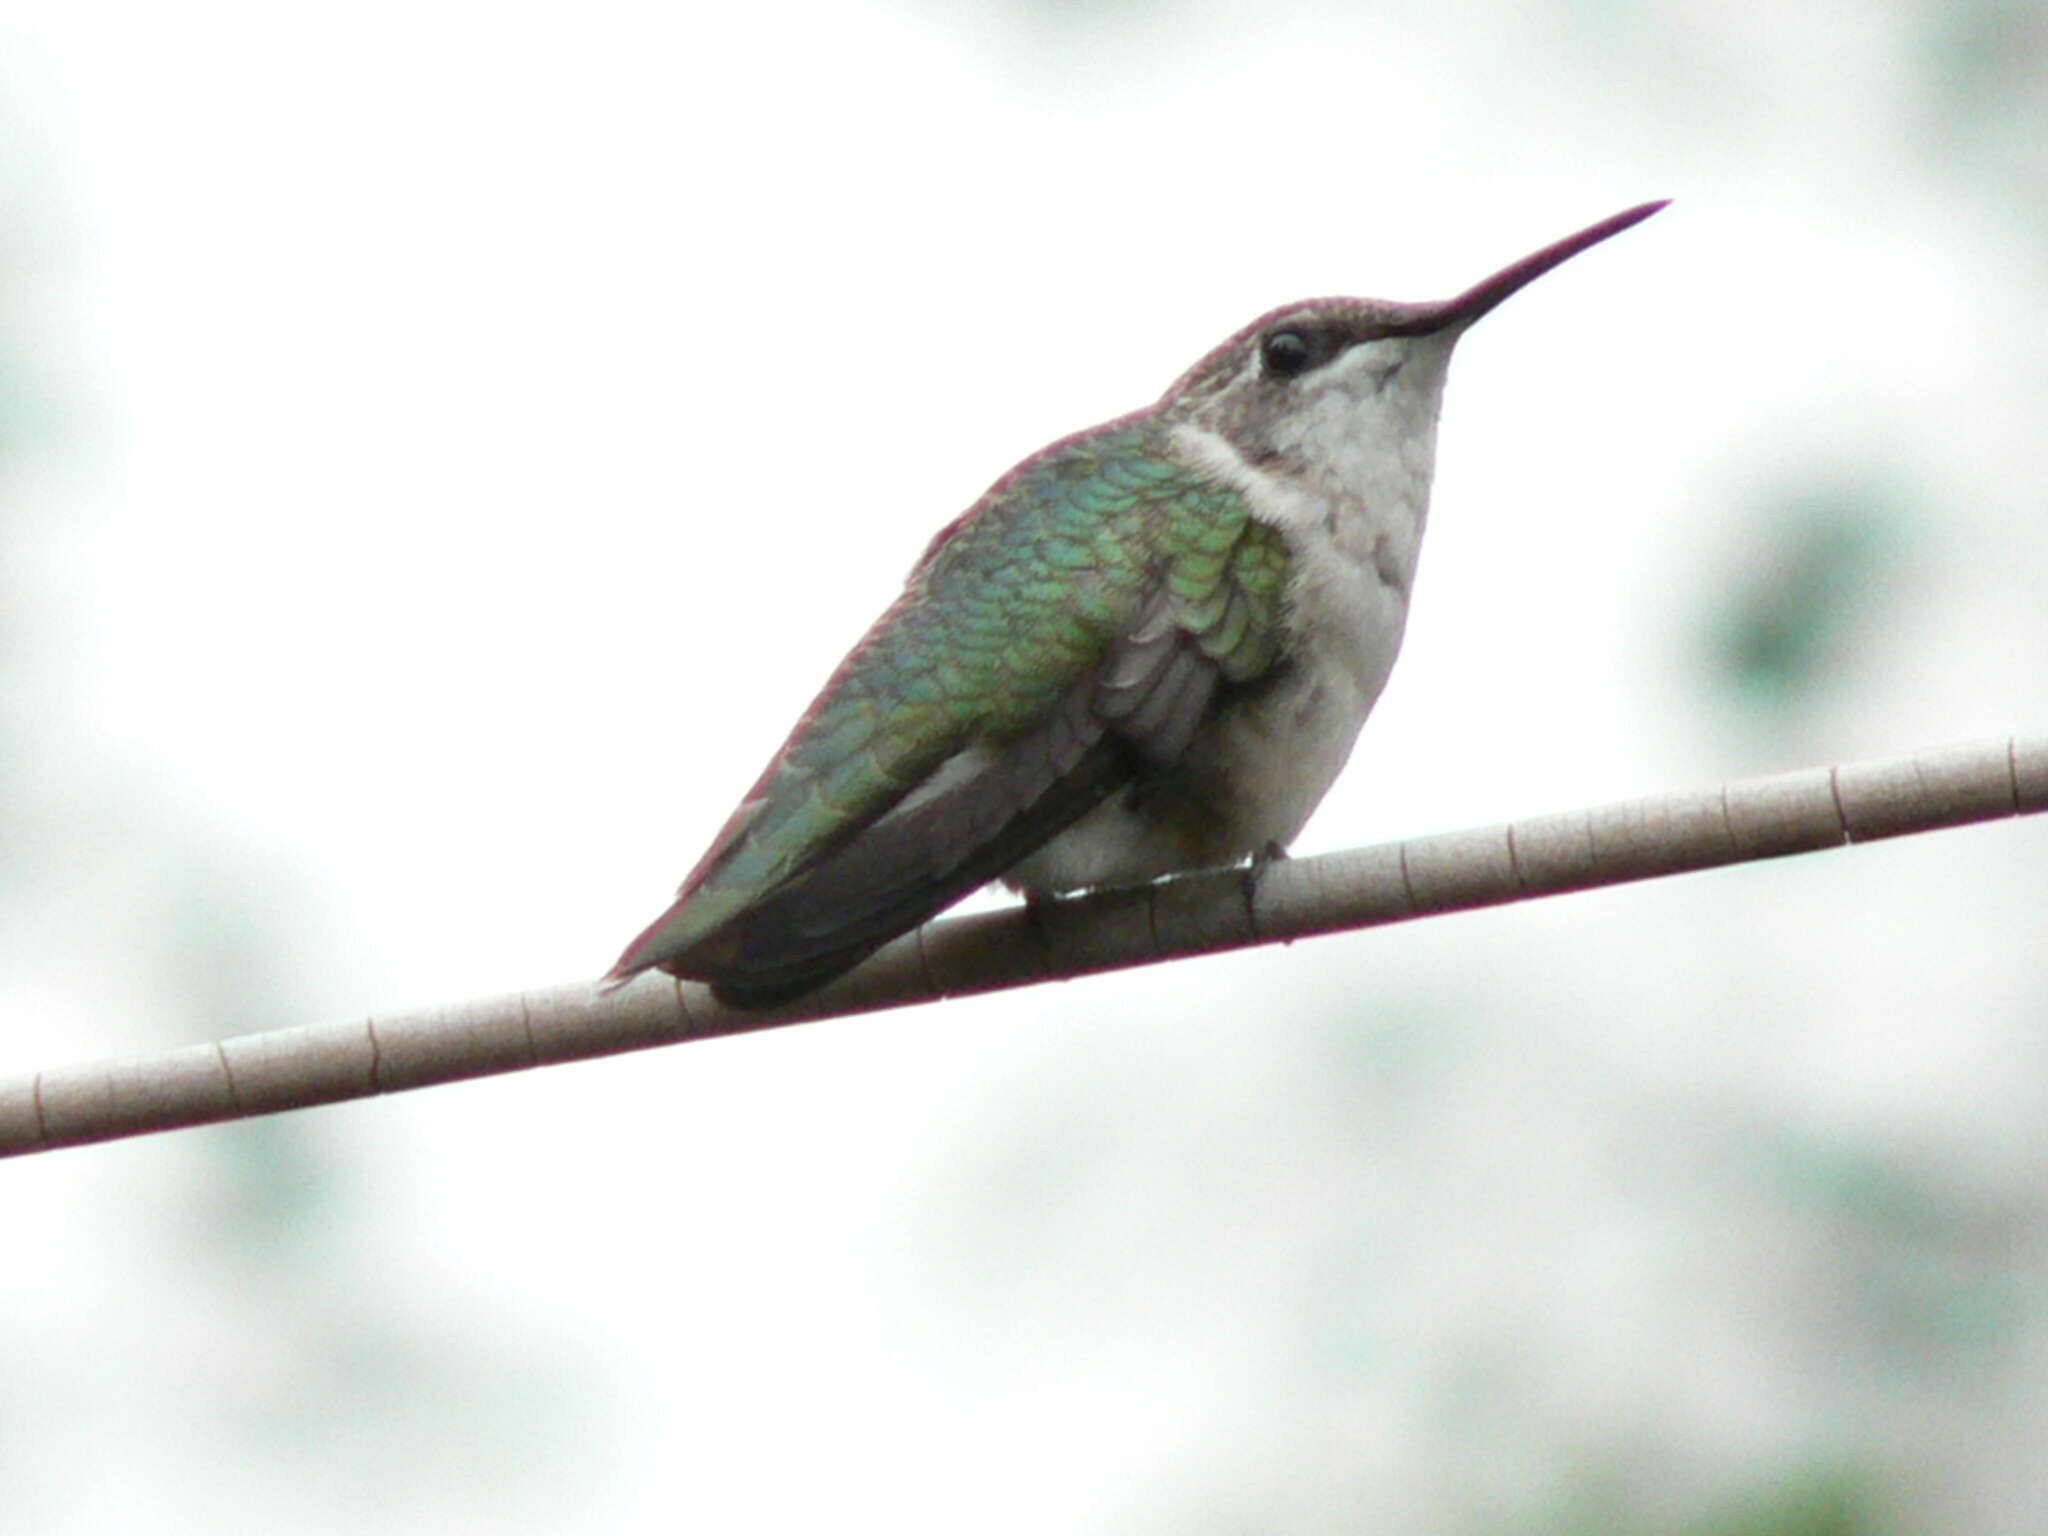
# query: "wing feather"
x,y
1065,639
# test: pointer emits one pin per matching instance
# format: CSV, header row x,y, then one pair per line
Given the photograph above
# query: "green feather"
x,y
1007,612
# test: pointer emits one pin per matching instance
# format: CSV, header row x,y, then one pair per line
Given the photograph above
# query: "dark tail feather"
x,y
1004,801
918,862
838,914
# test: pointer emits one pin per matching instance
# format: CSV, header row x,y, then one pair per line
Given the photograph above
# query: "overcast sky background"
x,y
442,448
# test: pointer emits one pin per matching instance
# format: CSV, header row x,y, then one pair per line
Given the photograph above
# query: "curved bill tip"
x,y
1489,292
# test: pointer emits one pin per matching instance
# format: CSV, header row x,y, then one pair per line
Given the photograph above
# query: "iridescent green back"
x,y
1012,608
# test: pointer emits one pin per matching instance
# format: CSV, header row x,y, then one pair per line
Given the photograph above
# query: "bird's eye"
x,y
1288,353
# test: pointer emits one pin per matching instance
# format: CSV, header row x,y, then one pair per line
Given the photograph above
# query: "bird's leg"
x,y
1272,853
1038,907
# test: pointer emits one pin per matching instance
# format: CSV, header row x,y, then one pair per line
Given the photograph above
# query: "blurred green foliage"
x,y
1812,581
1822,1503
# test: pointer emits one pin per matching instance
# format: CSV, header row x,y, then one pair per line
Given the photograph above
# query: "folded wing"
x,y
1067,638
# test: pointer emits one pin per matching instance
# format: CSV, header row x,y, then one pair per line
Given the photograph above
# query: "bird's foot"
x,y
1272,853
1037,909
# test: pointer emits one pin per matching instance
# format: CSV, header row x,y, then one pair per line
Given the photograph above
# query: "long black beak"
x,y
1482,296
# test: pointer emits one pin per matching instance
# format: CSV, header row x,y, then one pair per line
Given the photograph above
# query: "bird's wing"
x,y
1064,637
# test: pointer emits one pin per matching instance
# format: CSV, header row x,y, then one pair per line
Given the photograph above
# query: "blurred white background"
x,y
443,446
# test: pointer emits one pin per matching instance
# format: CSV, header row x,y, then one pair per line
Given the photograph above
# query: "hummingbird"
x,y
1147,649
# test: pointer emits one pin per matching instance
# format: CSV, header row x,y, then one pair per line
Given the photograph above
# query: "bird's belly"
x,y
1256,771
